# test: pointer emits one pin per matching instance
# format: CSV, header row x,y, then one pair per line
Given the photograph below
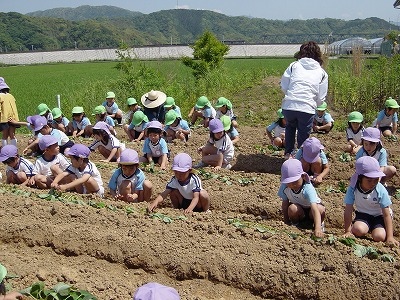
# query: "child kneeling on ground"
x,y
299,197
184,188
81,176
128,183
372,202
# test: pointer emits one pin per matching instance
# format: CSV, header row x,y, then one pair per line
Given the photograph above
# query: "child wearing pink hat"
x,y
299,197
372,146
313,160
81,176
371,201
107,144
155,291
184,188
219,150
50,164
128,183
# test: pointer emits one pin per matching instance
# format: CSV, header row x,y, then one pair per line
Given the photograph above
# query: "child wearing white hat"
x,y
184,188
299,197
371,201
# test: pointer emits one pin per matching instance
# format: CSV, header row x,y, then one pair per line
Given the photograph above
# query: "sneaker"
x,y
201,164
228,166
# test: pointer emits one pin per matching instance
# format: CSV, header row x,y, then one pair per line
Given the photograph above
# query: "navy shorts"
x,y
371,221
186,203
382,129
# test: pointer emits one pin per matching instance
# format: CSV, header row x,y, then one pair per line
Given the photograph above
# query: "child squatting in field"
x,y
184,188
299,197
128,182
371,201
81,176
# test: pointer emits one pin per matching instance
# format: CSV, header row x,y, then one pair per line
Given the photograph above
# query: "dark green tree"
x,y
208,54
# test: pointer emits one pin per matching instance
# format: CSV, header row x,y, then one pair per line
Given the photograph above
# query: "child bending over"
x,y
81,176
184,188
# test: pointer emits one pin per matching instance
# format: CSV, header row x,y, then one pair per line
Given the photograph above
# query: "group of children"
x,y
64,165
366,192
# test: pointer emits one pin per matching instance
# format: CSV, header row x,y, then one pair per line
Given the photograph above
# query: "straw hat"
x,y
153,99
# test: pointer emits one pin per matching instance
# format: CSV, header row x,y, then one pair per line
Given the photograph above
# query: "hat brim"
x,y
161,97
369,139
128,163
4,157
180,169
295,178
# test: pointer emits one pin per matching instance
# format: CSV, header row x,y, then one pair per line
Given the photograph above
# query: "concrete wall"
x,y
142,53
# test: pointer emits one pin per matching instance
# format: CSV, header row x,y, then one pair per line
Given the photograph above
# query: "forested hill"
x,y
107,26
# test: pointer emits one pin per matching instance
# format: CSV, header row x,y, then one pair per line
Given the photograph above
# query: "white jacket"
x,y
305,85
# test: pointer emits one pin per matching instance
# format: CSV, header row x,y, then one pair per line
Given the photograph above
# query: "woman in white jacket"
x,y
305,84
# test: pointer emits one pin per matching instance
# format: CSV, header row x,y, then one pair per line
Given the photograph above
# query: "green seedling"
x,y
247,181
160,216
60,291
129,210
345,157
342,186
397,195
261,149
225,180
364,251
52,195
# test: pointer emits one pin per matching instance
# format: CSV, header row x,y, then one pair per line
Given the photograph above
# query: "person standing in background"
x,y
8,112
305,84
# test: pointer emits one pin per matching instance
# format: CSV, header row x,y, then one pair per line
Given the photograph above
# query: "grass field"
x,y
85,84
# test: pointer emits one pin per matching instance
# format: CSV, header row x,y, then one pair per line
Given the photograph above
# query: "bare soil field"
x,y
241,250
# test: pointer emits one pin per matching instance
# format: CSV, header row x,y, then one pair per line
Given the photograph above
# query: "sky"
x,y
267,9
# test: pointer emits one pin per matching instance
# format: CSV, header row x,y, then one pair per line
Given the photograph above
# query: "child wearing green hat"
x,y
136,129
175,127
387,118
100,114
354,132
224,108
79,122
133,107
202,109
170,105
276,130
112,107
323,121
229,129
60,121
43,110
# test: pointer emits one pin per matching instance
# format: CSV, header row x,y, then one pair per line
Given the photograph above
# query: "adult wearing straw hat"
x,y
153,103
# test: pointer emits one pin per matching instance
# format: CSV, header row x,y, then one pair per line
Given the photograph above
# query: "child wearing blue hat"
x,y
184,188
81,176
371,201
50,164
128,183
299,197
19,170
